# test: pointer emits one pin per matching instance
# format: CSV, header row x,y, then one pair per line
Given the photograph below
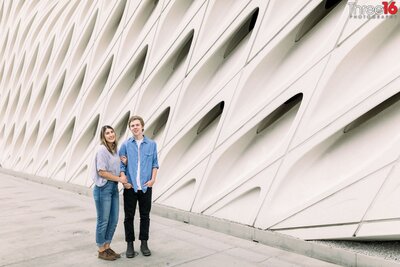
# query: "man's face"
x,y
136,128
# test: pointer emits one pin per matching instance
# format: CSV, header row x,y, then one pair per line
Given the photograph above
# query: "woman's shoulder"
x,y
101,149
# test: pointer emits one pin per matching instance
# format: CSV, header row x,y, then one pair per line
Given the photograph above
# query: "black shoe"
x,y
144,248
130,253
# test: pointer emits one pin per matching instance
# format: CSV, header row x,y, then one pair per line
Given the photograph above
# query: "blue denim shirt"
x,y
148,160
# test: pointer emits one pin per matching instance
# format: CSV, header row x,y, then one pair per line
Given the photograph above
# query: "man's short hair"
x,y
136,117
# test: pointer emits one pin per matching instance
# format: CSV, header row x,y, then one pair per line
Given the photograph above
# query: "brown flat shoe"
x,y
112,252
105,255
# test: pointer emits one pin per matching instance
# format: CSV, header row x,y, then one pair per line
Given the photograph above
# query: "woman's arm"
x,y
109,176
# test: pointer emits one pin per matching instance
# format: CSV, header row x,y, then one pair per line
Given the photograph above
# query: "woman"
x,y
105,192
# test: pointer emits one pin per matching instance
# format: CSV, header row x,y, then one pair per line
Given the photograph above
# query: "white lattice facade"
x,y
282,115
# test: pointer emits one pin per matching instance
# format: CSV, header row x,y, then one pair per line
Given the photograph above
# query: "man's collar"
x,y
144,140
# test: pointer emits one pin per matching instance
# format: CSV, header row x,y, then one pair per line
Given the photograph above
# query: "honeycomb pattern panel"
x,y
281,115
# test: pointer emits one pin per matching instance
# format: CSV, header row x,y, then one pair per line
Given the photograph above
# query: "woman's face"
x,y
109,135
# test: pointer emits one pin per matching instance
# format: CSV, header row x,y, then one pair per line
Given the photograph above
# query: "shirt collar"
x,y
144,140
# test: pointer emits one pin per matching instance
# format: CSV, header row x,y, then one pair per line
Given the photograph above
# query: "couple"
x,y
135,166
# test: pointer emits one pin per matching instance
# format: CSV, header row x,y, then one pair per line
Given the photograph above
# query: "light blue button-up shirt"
x,y
148,161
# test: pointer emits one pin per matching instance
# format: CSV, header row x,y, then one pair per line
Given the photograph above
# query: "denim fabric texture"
x,y
148,161
107,206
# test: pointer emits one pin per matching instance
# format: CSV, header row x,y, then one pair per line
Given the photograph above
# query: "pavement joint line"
x,y
267,258
265,237
196,259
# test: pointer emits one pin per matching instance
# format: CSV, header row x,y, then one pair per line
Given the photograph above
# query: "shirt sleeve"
x,y
155,157
122,152
101,161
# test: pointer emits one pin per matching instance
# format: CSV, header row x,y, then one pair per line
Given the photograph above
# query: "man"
x,y
140,164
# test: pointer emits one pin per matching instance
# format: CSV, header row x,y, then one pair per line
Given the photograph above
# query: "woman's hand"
x,y
122,179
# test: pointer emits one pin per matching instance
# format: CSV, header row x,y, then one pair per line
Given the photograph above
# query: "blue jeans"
x,y
107,207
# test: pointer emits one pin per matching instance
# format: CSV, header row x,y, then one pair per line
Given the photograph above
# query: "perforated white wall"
x,y
283,115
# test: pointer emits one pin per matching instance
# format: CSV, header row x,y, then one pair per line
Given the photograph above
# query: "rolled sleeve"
x,y
122,167
155,157
101,161
122,152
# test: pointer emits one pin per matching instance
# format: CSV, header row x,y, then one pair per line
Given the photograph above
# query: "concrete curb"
x,y
273,239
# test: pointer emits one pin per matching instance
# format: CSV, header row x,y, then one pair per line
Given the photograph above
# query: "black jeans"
x,y
130,200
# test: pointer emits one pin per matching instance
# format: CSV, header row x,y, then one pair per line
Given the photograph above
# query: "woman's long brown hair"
x,y
114,147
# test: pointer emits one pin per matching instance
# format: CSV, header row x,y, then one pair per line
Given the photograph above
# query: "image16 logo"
x,y
384,10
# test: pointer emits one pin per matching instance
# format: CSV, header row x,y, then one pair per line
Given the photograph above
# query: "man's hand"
x,y
150,183
127,186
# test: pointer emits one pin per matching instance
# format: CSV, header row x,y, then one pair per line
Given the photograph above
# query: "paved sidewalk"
x,y
41,225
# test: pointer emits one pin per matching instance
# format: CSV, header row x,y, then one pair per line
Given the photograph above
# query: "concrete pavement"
x,y
41,225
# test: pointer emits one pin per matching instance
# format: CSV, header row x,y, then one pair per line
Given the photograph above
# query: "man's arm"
x,y
153,178
109,176
151,182
123,165
122,153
